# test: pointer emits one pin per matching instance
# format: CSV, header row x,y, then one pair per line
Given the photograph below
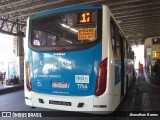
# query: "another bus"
x,y
76,59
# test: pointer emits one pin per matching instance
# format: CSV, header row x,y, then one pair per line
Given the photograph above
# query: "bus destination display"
x,y
87,34
84,17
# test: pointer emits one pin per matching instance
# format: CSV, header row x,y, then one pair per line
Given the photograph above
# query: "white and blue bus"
x,y
76,59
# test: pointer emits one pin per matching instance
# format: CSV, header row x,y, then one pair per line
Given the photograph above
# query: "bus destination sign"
x,y
87,34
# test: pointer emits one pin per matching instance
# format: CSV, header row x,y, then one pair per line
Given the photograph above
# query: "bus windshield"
x,y
64,29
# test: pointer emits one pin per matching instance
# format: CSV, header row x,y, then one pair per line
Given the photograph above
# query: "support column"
x,y
19,53
148,52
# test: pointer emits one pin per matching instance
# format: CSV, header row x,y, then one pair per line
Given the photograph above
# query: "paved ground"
x,y
143,97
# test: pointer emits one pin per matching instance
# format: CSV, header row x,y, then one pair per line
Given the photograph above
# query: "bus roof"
x,y
65,9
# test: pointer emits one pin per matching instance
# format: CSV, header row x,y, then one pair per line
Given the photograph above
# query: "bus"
x,y
76,59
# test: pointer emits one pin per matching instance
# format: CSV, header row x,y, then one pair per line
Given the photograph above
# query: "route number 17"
x,y
85,17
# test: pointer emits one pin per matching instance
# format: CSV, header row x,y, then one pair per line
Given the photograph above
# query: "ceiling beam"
x,y
144,3
141,21
140,18
34,5
149,25
141,14
12,2
141,31
150,28
52,6
134,10
10,27
120,2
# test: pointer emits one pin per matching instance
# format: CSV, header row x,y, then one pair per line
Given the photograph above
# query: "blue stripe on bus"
x,y
86,7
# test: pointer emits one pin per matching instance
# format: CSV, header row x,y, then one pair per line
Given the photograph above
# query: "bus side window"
x,y
115,37
127,50
118,47
113,41
130,56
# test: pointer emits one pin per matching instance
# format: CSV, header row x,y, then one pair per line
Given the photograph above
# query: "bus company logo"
x,y
67,64
53,65
81,78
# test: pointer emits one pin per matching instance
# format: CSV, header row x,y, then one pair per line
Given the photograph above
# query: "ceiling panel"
x,y
138,18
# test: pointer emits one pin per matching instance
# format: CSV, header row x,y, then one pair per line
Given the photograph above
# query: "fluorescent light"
x,y
69,41
72,29
66,26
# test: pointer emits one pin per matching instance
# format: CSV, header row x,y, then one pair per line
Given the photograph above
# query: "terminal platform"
x,y
143,97
10,88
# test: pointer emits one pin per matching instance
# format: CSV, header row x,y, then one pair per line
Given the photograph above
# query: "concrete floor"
x,y
143,97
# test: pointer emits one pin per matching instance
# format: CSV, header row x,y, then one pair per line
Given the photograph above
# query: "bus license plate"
x,y
59,84
59,103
